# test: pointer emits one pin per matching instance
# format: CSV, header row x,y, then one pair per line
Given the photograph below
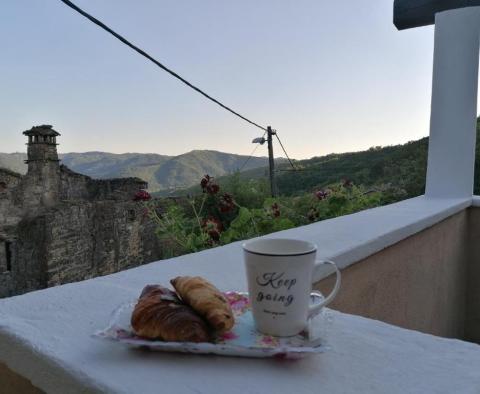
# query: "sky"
x,y
330,76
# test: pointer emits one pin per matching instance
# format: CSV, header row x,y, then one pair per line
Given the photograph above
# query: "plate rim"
x,y
318,345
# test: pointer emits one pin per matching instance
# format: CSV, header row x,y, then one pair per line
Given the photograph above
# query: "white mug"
x,y
279,275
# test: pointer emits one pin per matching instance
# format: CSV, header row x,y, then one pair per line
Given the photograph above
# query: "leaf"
x,y
227,236
243,219
282,224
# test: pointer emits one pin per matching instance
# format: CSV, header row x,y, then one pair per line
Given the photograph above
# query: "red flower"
x,y
142,195
313,214
226,203
213,228
275,210
204,181
321,194
213,188
208,185
228,198
145,213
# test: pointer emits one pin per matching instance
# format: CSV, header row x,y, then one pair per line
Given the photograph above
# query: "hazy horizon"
x,y
279,156
331,78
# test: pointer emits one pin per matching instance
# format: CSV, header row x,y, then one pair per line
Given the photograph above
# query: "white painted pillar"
x,y
451,151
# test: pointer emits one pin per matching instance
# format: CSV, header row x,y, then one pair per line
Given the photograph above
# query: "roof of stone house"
x,y
45,130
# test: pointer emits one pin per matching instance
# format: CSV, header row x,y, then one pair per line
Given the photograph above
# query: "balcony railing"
x,y
410,264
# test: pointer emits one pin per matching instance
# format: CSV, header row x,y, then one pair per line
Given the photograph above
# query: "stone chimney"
x,y
42,146
43,175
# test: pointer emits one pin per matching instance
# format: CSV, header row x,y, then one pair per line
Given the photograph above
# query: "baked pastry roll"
x,y
159,314
205,299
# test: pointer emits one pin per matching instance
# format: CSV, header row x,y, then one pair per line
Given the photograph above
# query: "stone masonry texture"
x,y
58,226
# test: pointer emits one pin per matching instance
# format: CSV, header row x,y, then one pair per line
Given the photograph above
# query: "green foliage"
x,y
401,167
254,222
177,230
216,216
247,192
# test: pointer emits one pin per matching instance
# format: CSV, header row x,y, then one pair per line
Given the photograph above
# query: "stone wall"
x,y
87,228
40,186
10,213
6,284
10,203
85,240
73,186
29,263
77,241
58,226
115,189
76,186
8,180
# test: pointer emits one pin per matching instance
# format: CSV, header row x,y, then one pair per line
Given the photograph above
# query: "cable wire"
x,y
143,53
251,154
284,151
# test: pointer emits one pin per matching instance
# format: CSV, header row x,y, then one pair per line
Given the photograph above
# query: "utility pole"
x,y
271,162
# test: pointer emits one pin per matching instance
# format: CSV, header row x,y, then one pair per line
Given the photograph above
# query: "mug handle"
x,y
315,309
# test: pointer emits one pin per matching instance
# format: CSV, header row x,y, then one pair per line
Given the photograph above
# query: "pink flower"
x,y
228,336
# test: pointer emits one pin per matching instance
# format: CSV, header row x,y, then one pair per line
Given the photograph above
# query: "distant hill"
x,y
160,171
14,161
402,166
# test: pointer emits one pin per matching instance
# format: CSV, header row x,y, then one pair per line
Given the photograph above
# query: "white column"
x,y
451,151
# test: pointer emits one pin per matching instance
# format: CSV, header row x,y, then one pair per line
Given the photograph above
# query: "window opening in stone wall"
x,y
3,186
8,255
131,215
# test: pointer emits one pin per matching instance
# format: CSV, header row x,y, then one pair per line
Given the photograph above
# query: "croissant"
x,y
205,299
159,314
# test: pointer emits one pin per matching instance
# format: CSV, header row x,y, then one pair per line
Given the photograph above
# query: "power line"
x,y
174,74
143,53
284,151
248,158
251,154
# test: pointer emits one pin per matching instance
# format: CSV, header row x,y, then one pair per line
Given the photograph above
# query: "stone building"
x,y
58,226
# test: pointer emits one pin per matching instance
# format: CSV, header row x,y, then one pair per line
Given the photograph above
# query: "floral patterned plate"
x,y
242,341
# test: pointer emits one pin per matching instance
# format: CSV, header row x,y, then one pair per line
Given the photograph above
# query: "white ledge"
x,y
45,335
476,201
351,238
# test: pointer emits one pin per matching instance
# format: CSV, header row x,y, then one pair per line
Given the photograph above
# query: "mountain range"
x,y
160,171
396,166
401,166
